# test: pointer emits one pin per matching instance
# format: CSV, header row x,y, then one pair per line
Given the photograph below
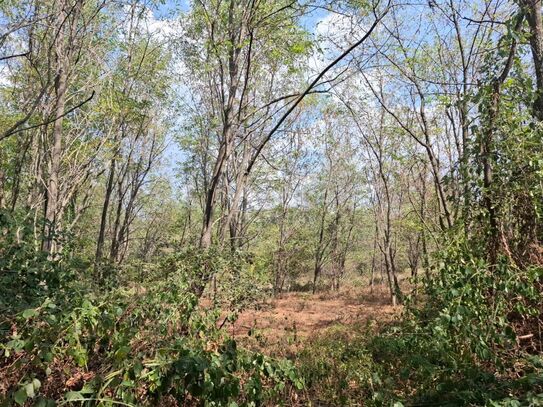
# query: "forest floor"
x,y
283,324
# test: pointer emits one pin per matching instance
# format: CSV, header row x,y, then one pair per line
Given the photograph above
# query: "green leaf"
x,y
87,389
30,390
20,396
45,403
29,313
73,396
37,384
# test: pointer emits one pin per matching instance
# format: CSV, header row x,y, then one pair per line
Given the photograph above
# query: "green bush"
x,y
141,339
339,370
461,346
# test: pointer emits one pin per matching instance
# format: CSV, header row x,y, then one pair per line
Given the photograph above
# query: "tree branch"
x,y
313,84
14,129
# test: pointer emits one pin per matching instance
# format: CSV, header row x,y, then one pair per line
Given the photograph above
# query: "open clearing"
x,y
293,318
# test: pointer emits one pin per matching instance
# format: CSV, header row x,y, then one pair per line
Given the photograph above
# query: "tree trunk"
x,y
218,170
105,208
532,9
319,251
61,84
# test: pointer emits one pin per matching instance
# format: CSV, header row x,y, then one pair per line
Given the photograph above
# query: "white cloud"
x,y
336,29
163,28
334,33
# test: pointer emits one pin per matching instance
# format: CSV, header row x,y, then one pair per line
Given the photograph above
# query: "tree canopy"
x,y
170,170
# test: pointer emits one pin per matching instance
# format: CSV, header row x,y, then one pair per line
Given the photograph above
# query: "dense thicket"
x,y
165,166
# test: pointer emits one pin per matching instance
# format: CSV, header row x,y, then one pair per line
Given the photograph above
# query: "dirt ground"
x,y
294,317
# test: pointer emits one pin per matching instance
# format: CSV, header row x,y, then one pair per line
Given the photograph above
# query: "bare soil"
x,y
293,318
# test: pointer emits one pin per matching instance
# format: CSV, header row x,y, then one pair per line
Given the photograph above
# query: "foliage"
x,y
339,369
27,276
474,339
426,154
466,344
238,281
138,343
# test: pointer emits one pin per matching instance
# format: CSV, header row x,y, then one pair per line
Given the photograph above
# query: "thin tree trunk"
x,y
61,84
373,258
105,209
318,251
532,9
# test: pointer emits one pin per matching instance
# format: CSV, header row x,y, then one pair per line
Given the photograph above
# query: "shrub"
x,y
140,340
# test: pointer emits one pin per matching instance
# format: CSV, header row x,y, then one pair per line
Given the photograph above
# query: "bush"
x,y
339,370
464,345
140,340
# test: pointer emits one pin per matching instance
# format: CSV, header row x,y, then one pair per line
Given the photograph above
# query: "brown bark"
x,y
532,10
105,209
55,155
319,251
488,155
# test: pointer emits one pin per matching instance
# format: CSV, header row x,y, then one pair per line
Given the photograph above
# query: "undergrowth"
x,y
137,337
473,338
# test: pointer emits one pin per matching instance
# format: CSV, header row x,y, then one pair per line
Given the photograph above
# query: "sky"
x,y
169,7
318,22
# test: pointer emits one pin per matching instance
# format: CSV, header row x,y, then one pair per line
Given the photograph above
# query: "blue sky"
x,y
168,10
170,7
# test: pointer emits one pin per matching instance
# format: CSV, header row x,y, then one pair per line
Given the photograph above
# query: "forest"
x,y
271,203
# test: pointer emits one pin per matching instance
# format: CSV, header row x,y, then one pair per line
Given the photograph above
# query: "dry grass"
x,y
282,324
